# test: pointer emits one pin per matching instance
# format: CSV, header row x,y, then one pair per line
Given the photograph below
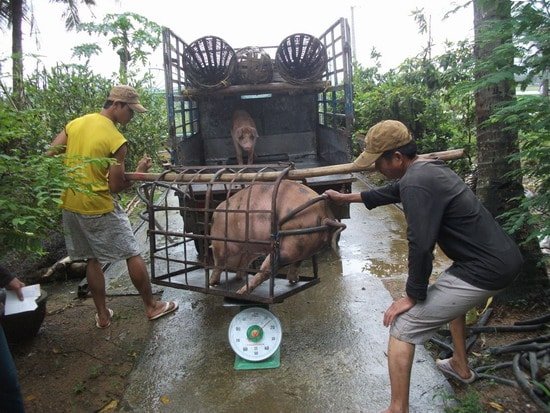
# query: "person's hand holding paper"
x,y
21,299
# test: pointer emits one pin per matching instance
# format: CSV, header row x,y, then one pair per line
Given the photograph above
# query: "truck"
x,y
307,124
303,113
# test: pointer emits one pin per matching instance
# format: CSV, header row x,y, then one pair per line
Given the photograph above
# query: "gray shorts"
x,y
108,237
448,298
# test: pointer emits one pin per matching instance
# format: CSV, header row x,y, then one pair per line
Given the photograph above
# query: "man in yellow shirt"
x,y
96,228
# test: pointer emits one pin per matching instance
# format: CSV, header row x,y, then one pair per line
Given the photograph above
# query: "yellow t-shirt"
x,y
91,136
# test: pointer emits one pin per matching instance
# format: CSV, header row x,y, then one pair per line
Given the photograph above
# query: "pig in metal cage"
x,y
185,253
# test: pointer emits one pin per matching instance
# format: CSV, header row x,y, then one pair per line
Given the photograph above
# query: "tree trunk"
x,y
17,52
497,141
125,57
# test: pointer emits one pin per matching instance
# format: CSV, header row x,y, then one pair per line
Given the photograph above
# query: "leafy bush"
x,y
428,96
59,95
29,200
32,182
532,117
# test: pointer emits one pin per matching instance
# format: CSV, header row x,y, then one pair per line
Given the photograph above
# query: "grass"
x,y
469,403
79,388
95,371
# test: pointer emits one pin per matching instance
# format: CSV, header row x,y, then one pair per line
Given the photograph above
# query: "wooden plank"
x,y
295,174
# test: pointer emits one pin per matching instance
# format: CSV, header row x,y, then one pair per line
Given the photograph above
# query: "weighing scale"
x,y
255,336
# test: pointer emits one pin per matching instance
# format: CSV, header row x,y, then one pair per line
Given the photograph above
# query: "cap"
x,y
126,94
385,135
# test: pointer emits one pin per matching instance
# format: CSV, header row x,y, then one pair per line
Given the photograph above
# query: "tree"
x,y
16,13
13,13
497,138
131,35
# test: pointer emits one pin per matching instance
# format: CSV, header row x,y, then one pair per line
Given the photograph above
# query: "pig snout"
x,y
247,140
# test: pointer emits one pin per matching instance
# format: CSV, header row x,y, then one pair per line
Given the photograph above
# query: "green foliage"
x,y
532,33
58,96
429,96
29,199
72,19
69,91
132,36
469,403
530,116
86,50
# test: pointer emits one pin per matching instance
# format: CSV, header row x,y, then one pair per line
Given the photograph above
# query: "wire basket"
x,y
209,63
254,66
301,58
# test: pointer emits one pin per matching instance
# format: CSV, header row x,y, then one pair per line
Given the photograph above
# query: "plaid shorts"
x,y
108,237
448,298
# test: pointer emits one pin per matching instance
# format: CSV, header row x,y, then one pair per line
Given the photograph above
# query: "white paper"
x,y
14,306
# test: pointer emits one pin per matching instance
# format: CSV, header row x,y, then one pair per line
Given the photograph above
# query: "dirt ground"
x,y
71,366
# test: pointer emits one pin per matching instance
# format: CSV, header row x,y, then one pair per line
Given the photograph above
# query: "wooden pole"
x,y
296,174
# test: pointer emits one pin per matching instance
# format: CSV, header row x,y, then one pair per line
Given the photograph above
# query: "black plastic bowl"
x,y
24,326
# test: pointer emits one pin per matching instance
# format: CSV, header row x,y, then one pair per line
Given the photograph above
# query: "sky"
x,y
386,26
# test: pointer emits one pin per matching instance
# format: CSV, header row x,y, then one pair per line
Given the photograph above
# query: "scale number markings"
x,y
255,334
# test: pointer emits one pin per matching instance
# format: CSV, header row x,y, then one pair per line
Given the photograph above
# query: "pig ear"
x,y
255,133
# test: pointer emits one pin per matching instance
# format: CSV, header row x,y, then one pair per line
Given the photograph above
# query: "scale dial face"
x,y
255,334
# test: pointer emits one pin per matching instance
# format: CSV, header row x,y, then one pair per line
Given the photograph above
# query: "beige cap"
x,y
385,135
126,94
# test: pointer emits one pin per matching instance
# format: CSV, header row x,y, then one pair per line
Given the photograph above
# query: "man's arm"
x,y
58,144
383,195
117,178
341,198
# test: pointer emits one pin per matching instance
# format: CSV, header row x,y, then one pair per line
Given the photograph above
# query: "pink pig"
x,y
244,134
236,233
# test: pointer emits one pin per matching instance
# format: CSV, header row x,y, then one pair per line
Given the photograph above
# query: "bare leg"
x,y
400,359
140,278
96,285
459,361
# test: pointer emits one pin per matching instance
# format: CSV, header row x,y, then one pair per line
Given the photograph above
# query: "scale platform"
x,y
272,362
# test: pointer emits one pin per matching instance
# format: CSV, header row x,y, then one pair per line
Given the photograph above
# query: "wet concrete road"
x,y
333,348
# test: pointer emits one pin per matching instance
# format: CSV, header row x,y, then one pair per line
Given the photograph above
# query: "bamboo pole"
x,y
296,174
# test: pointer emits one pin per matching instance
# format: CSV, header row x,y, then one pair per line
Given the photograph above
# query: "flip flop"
x,y
108,324
447,370
169,307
